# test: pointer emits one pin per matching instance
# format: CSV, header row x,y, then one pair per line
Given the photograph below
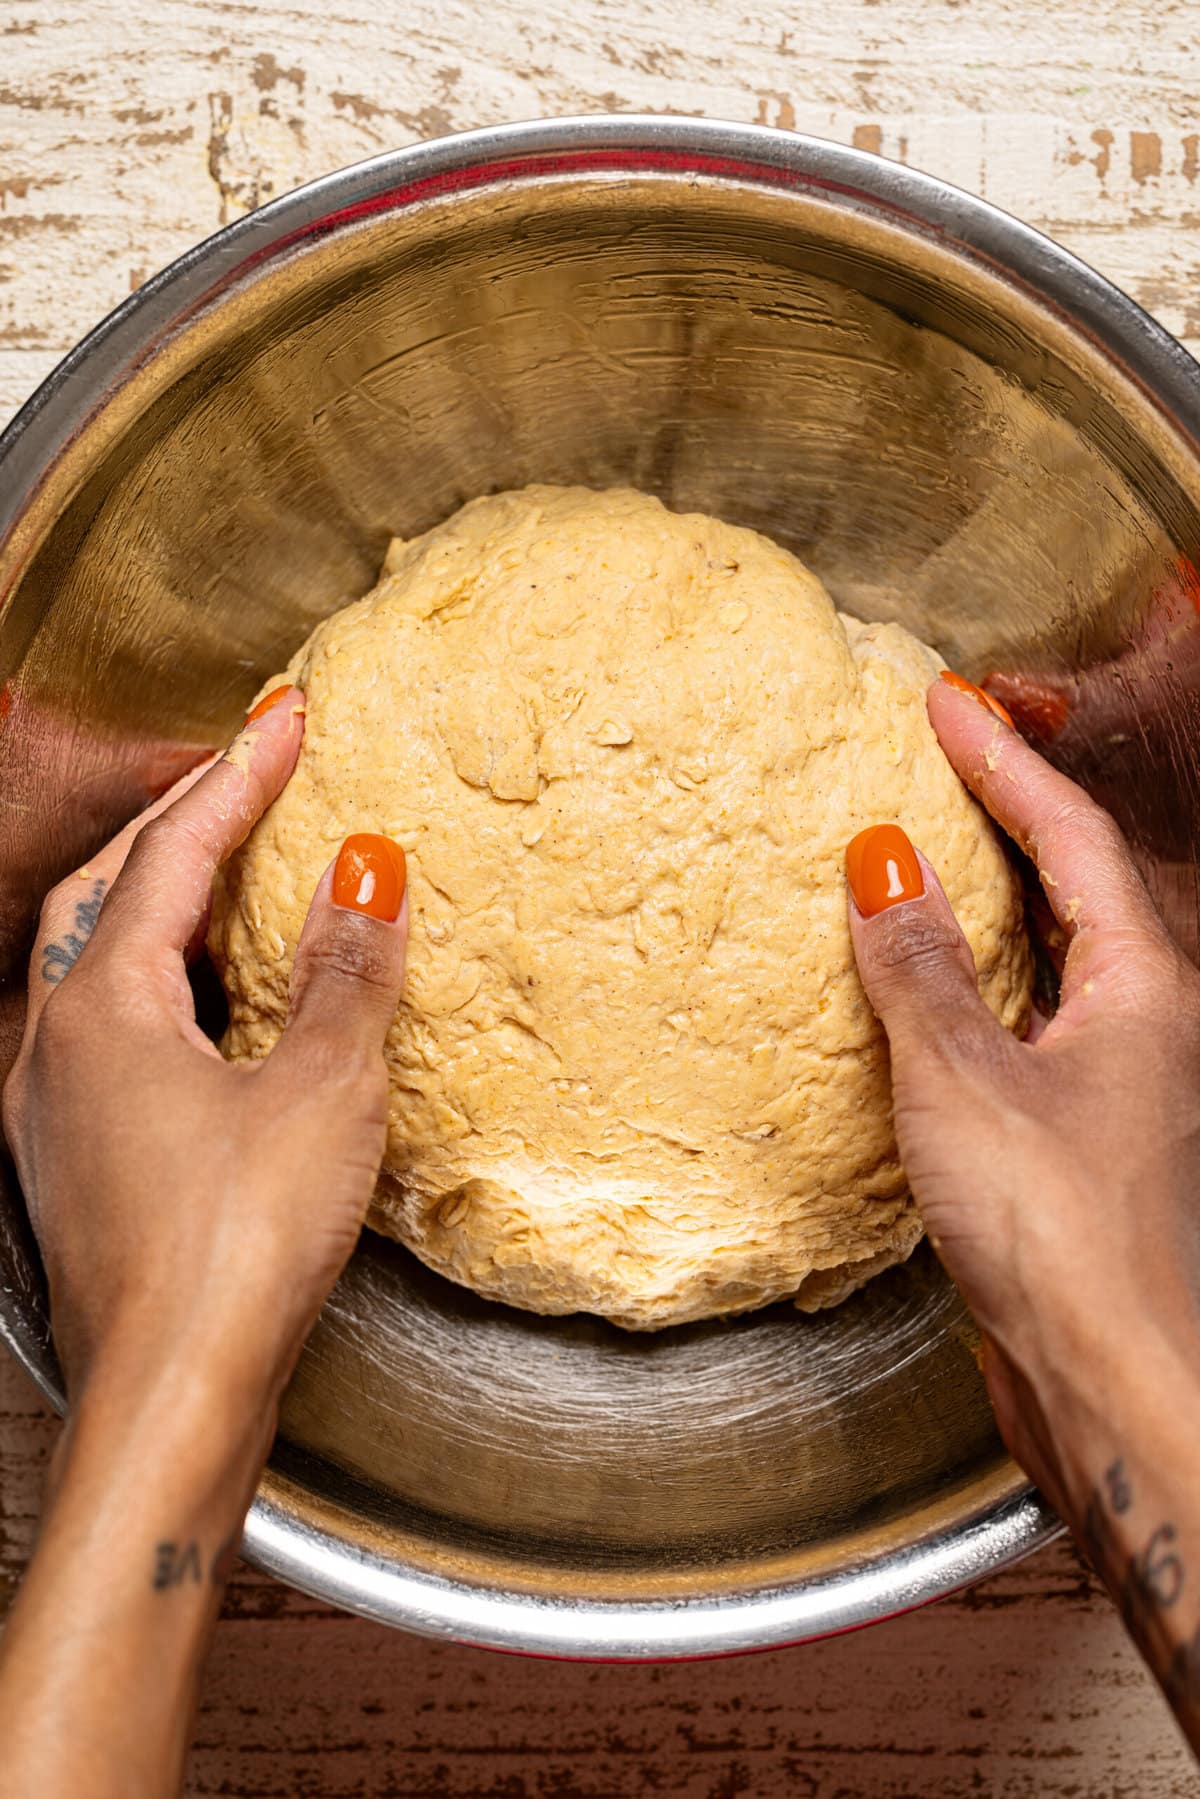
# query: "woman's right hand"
x,y
1059,1178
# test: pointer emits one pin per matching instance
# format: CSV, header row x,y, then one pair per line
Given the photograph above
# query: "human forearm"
x,y
1119,1413
192,1217
1057,1177
100,1659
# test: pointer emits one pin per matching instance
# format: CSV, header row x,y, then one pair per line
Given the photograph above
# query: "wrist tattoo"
x,y
59,957
183,1564
176,1565
1157,1573
1146,1582
1120,1493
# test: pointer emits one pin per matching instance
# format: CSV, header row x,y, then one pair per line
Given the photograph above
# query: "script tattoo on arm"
x,y
59,957
1147,1583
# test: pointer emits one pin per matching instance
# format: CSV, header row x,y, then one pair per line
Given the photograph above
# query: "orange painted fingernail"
x,y
977,693
370,876
883,870
268,700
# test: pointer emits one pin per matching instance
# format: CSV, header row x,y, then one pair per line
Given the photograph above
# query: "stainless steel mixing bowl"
x,y
954,422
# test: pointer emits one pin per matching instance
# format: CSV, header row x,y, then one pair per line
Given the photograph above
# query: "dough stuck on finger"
x,y
634,1072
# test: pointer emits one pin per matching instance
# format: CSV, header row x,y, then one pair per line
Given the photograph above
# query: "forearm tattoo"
x,y
59,957
185,1564
1148,1582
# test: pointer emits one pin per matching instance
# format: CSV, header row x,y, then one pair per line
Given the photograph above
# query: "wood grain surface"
x,y
131,128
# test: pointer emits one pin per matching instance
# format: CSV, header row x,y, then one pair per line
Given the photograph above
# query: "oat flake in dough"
x,y
634,1072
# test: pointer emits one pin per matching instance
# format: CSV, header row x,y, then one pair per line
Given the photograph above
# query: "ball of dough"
x,y
634,1071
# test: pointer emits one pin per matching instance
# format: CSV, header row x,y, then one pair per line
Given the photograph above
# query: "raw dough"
x,y
635,1072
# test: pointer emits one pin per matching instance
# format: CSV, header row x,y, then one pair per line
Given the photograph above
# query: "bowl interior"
x,y
938,445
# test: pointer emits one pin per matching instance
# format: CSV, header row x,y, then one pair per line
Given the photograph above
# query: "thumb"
x,y
914,961
349,967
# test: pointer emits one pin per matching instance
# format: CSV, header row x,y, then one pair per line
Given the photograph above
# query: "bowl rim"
x,y
589,143
321,1561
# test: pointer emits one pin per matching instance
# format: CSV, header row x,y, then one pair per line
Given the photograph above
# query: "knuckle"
x,y
143,853
915,945
922,971
1072,813
172,834
353,951
155,839
1078,818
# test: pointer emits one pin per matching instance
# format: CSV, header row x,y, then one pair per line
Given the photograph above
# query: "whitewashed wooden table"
x,y
130,128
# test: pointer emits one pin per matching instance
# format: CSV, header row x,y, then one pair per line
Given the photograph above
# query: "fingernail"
x,y
370,875
883,870
264,705
977,693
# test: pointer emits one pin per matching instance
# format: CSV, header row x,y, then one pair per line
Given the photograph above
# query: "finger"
x,y
71,909
349,967
914,961
1083,861
160,896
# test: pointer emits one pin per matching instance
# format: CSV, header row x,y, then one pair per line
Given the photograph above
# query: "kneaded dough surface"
x,y
634,1072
